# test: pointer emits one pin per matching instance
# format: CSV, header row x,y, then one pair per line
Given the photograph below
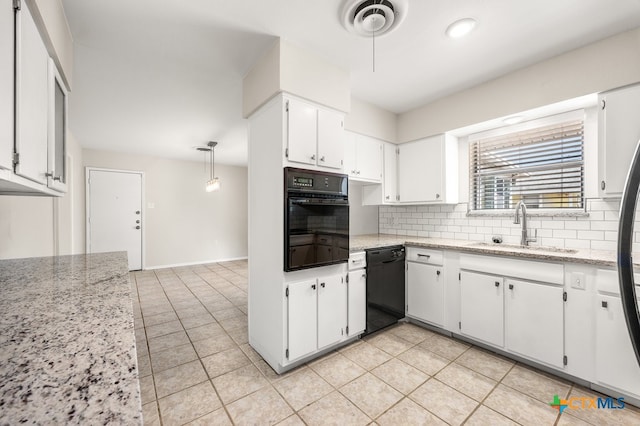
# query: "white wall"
x,y
362,219
368,119
291,69
27,224
600,66
186,225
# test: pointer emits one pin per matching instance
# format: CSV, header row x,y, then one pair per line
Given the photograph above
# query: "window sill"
x,y
530,213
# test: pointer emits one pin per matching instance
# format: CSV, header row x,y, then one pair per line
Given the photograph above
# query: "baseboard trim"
x,y
200,262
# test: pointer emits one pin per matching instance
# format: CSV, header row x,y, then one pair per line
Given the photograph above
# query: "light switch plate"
x,y
578,280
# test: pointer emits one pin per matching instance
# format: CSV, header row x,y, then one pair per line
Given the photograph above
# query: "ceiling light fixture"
x,y
461,28
213,184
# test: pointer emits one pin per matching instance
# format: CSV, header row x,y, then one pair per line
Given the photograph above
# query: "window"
x,y
542,165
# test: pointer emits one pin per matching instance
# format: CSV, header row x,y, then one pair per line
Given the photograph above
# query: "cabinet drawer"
x,y
552,273
607,281
357,260
420,255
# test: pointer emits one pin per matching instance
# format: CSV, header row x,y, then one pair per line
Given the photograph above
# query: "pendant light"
x,y
213,184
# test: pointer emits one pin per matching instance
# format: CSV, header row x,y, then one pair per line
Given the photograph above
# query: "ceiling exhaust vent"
x,y
373,17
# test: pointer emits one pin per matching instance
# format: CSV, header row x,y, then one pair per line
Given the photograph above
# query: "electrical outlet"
x,y
578,280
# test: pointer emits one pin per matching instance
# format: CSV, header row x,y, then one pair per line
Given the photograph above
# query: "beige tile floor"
x,y
196,367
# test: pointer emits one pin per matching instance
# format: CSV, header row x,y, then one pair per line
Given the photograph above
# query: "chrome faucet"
x,y
524,240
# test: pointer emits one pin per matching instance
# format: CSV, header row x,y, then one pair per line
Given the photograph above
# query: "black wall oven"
x,y
316,228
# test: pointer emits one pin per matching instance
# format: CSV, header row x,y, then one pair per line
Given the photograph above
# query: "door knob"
x,y
313,157
137,221
497,283
510,286
137,211
313,286
138,227
322,158
322,285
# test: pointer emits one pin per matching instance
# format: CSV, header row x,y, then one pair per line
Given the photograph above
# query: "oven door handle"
x,y
314,202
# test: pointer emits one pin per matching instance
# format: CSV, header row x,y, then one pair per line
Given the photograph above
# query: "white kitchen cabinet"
x,y
32,99
315,136
428,170
482,307
330,139
534,314
332,310
357,295
616,364
57,131
425,285
317,314
387,193
302,318
7,114
618,136
363,157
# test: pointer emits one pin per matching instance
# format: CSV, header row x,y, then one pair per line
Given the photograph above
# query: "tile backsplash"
x,y
596,229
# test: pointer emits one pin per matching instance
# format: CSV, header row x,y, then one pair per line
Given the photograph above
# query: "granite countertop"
x,y
67,341
589,257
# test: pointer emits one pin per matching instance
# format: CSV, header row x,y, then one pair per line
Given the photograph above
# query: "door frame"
x,y
87,198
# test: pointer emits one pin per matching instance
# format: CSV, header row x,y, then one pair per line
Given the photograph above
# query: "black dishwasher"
x,y
385,287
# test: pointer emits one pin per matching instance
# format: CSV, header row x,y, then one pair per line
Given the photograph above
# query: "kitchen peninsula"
x,y
67,345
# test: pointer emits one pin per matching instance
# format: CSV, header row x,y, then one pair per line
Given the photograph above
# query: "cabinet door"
x,y
390,173
6,85
482,307
302,135
302,320
32,94
616,365
57,139
425,292
330,139
349,166
420,166
369,158
619,133
357,302
534,318
332,310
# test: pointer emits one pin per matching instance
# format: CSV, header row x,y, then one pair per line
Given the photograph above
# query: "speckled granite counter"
x,y
589,257
67,346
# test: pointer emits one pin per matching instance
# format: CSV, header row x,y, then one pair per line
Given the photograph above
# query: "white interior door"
x,y
114,213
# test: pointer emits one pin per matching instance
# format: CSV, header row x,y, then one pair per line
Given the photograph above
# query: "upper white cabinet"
x,y
363,157
32,99
387,193
315,136
33,123
57,130
618,136
428,170
6,85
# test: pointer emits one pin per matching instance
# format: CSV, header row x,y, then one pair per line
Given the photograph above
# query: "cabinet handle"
x,y
497,284
424,255
322,285
605,304
602,185
313,286
437,195
353,172
138,227
137,211
364,275
313,157
387,197
322,158
604,104
510,286
438,273
58,178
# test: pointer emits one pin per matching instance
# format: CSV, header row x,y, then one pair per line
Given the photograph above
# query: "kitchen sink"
x,y
546,249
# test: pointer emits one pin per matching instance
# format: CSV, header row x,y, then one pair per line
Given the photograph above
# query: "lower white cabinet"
x,y
425,292
357,303
616,365
534,315
482,307
317,314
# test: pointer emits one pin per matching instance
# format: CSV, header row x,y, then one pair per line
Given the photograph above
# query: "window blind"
x,y
543,166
